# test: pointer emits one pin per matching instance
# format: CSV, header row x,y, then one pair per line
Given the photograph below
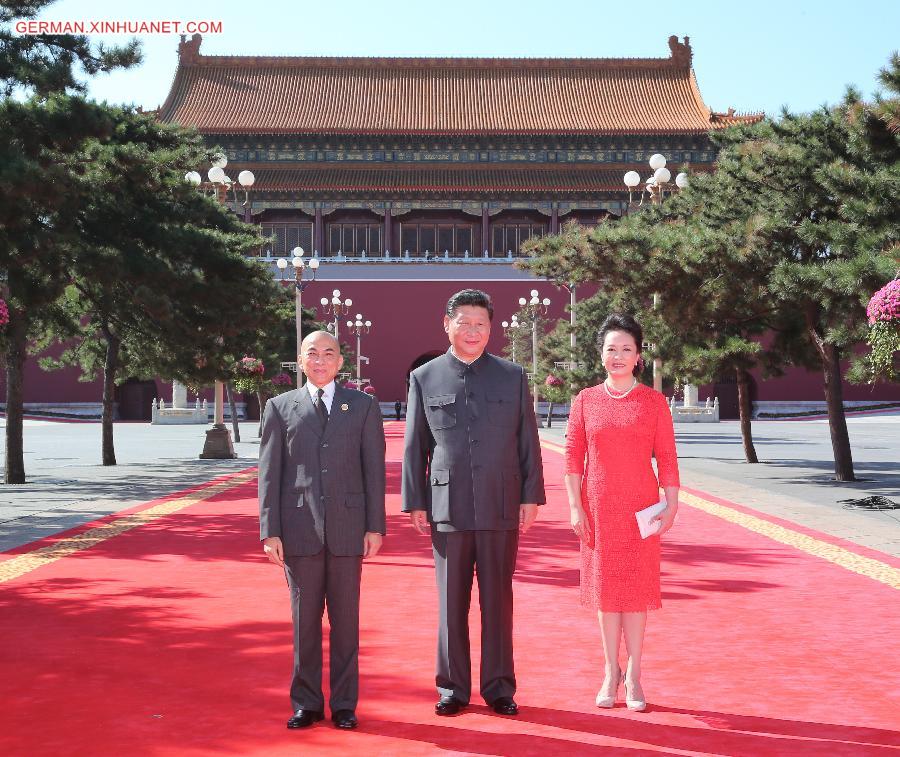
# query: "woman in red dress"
x,y
614,430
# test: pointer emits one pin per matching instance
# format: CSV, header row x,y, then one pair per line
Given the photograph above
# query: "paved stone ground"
x,y
67,485
794,479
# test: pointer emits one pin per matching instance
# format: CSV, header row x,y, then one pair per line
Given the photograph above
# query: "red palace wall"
x,y
800,384
55,386
407,324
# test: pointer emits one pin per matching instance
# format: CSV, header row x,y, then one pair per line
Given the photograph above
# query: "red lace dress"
x,y
610,442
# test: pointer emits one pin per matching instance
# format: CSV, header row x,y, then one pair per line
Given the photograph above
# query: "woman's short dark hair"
x,y
470,297
628,324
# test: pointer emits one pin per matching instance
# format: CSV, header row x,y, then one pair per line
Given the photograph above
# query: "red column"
x,y
554,220
318,233
388,228
485,230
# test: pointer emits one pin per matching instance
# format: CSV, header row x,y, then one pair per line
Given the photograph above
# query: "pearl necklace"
x,y
620,396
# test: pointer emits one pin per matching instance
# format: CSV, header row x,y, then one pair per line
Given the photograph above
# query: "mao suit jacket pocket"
x,y
440,495
440,409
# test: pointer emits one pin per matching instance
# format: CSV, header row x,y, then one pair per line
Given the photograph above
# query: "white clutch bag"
x,y
643,518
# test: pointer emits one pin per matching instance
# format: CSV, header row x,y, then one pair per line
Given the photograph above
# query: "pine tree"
x,y
40,116
828,262
872,197
159,275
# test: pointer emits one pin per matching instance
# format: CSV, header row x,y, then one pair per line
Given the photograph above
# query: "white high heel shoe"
x,y
605,702
635,705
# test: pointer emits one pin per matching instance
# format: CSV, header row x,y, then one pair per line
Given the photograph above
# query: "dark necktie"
x,y
321,410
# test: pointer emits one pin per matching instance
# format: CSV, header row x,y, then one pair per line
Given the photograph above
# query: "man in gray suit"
x,y
321,510
472,467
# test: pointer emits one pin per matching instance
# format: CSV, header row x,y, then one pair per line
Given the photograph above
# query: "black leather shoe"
x,y
448,706
505,706
344,719
304,718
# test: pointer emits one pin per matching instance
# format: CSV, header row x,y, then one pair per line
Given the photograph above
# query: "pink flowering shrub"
x,y
369,389
885,303
554,381
4,314
249,366
883,312
248,375
282,382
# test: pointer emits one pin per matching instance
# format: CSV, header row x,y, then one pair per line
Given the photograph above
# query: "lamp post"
x,y
336,307
655,185
218,445
509,328
571,290
299,285
654,188
218,179
359,327
535,307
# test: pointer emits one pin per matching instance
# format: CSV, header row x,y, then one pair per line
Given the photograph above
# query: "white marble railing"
x,y
691,411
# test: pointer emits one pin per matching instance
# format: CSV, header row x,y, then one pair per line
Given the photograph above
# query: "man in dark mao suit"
x,y
321,510
472,467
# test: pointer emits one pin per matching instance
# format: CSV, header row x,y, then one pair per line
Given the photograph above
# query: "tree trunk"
x,y
837,420
745,410
834,397
110,366
550,415
235,426
15,368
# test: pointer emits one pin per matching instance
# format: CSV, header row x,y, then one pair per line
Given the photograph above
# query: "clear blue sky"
x,y
758,55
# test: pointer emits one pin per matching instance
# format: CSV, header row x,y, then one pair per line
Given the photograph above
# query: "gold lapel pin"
x,y
345,407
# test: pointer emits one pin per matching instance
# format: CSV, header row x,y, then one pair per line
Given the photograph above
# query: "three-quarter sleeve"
x,y
664,446
576,444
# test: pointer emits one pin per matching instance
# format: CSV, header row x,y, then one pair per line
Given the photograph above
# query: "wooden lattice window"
x,y
435,239
280,239
507,238
352,239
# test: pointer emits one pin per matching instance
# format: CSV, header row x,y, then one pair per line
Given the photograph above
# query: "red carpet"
x,y
173,638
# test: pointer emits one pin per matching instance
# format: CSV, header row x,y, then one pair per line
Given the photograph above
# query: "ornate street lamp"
x,y
299,285
218,443
535,307
217,178
359,327
572,340
655,185
655,188
509,327
337,308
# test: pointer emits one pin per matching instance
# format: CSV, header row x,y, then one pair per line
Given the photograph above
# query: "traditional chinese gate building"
x,y
411,178
414,177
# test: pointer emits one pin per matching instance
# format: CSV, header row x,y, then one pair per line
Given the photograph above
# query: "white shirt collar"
x,y
327,396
